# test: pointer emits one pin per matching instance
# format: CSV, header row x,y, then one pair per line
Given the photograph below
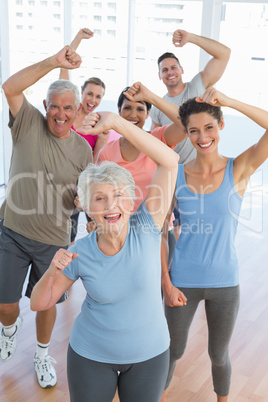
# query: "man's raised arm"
x,y
15,85
220,53
83,33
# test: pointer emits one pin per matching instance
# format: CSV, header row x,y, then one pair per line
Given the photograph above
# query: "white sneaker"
x,y
8,344
45,372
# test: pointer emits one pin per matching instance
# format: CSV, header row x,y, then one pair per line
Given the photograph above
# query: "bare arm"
x,y
172,295
17,83
219,52
84,33
164,180
103,138
101,141
247,162
174,133
53,283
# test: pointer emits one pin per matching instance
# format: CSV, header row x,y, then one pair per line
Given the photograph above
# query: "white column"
x,y
130,44
211,20
67,21
5,72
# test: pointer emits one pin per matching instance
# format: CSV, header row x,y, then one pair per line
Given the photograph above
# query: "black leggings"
x,y
91,381
221,305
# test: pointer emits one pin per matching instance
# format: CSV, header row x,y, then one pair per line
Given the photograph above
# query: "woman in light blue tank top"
x,y
120,339
209,193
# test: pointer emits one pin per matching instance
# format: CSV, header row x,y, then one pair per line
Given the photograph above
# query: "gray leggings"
x,y
221,305
91,381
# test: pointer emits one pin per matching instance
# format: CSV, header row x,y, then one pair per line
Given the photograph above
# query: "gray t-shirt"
x,y
192,89
43,175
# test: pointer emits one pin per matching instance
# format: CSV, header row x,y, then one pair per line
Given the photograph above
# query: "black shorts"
x,y
18,254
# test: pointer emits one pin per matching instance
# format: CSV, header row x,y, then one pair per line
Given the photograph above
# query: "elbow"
x,y
227,53
8,89
36,307
35,304
5,88
33,307
174,161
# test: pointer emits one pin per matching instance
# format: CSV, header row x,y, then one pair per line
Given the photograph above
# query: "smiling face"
x,y
91,97
203,131
61,111
110,207
134,112
170,72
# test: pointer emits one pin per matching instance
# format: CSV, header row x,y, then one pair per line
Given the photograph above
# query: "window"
x,y
169,6
40,29
111,32
163,34
97,18
249,55
111,19
155,22
168,20
112,6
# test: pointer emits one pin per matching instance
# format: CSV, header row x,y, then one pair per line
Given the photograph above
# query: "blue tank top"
x,y
122,318
205,255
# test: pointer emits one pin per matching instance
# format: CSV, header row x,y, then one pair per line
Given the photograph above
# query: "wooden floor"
x,y
192,380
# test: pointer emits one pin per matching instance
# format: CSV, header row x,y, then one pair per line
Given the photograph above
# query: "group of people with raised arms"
x,y
123,339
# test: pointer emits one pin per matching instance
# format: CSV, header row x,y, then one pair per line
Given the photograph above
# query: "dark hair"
x,y
167,55
93,80
192,107
122,97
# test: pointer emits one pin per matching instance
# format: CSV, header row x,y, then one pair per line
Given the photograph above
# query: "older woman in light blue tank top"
x,y
209,193
120,339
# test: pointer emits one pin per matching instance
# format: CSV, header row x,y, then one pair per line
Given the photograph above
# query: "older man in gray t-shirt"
x,y
47,158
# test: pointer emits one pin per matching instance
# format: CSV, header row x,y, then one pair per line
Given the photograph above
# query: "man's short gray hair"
x,y
60,87
105,173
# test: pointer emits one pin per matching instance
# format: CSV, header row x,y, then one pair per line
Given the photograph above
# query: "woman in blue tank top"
x,y
209,193
120,339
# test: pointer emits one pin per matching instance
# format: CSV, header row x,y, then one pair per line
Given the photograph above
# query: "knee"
x,y
176,351
8,308
219,359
